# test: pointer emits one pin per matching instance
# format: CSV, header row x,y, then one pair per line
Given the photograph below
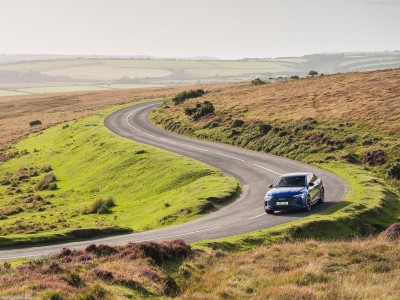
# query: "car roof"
x,y
296,174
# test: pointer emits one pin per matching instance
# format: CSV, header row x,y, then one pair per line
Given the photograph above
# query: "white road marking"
x,y
193,147
257,216
231,157
264,168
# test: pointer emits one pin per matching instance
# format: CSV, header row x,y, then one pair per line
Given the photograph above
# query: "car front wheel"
x,y
270,212
321,195
308,204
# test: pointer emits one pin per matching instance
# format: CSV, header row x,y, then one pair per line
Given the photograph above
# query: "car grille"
x,y
282,199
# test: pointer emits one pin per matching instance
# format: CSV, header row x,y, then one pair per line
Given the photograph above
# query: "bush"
x,y
257,81
394,171
47,183
294,77
103,274
100,250
200,110
100,206
313,73
47,168
264,128
237,123
35,123
74,280
181,97
374,158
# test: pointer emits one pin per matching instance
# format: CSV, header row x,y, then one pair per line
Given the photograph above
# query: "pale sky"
x,y
185,28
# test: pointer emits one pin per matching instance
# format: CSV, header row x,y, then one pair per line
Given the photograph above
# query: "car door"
x,y
313,190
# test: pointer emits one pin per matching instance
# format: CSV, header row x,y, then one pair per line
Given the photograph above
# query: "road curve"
x,y
253,169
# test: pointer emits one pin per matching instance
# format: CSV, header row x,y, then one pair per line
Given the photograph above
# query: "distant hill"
x,y
27,74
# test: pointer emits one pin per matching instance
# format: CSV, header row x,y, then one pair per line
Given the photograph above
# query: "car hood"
x,y
286,191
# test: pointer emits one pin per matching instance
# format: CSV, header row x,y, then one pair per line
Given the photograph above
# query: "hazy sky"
x,y
185,28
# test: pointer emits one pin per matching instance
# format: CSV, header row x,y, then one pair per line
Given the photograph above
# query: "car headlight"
x,y
299,196
267,198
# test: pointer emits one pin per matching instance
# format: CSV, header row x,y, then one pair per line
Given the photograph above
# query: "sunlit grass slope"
x,y
151,188
366,269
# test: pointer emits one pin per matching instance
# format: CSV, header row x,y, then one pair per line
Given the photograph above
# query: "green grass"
x,y
369,59
62,89
71,88
104,72
151,187
5,93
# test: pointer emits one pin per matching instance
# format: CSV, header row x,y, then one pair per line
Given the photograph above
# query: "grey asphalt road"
x,y
254,170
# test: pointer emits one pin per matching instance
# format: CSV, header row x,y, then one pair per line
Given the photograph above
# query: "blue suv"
x,y
294,191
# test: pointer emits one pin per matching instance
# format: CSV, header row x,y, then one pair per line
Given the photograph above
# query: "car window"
x,y
296,181
313,178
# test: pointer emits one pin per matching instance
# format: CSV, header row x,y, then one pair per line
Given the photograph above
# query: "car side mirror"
x,y
270,186
311,184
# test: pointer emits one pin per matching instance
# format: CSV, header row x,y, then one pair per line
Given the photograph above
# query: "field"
x,y
93,73
18,111
91,163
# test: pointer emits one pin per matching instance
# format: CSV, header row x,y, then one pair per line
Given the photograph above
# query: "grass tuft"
x,y
100,206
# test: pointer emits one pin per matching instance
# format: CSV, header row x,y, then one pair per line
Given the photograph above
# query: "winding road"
x,y
254,170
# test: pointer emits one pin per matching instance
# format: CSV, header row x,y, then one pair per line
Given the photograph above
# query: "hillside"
x,y
345,123
79,180
336,115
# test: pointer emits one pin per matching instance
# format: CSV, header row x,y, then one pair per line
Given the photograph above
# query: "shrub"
x,y
394,171
158,252
237,123
5,182
103,274
265,128
257,81
47,183
374,158
95,292
294,77
181,97
393,232
100,250
35,123
100,206
47,168
200,110
65,252
73,279
7,265
313,73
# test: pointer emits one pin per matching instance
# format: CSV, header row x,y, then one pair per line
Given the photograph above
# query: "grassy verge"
x,y
368,208
78,180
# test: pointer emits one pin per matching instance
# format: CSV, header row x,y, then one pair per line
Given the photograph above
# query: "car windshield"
x,y
291,181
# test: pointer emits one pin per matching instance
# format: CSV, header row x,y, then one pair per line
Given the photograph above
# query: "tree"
x,y
313,73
